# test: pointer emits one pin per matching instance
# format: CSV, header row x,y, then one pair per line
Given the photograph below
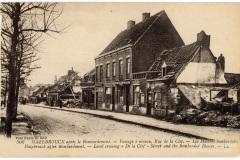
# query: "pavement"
x,y
198,132
19,127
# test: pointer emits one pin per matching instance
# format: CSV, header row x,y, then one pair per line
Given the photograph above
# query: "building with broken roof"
x,y
38,93
67,87
132,51
180,77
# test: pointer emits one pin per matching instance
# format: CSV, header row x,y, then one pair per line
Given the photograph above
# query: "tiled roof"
x,y
176,59
130,36
232,78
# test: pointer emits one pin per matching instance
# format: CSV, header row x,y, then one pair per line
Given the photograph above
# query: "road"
x,y
59,123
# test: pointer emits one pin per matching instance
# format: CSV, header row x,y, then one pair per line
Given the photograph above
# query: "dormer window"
x,y
164,69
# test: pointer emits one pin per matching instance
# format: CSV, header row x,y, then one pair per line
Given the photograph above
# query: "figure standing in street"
x,y
51,103
60,103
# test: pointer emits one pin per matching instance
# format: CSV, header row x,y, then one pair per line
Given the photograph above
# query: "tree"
x,y
23,25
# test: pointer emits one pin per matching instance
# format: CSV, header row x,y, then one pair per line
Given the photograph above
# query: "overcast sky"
x,y
94,25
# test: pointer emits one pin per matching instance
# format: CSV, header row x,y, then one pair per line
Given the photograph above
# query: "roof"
x,y
176,59
38,91
90,73
131,36
63,82
232,78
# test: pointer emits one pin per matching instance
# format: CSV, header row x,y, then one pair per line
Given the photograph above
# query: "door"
x,y
149,102
127,98
88,98
96,100
113,98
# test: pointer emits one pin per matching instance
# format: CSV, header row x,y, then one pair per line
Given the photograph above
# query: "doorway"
x,y
113,98
127,97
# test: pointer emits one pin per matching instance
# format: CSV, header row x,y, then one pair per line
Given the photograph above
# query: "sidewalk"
x,y
19,127
202,132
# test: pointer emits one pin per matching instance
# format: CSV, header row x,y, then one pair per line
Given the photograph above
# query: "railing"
x,y
143,75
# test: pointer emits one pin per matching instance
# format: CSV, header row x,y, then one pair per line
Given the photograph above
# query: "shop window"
x,y
136,95
107,95
91,97
100,97
85,96
120,94
157,99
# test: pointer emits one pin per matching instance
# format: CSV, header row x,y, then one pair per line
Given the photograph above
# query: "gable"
x,y
204,56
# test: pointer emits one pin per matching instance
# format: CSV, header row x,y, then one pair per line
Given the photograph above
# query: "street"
x,y
60,123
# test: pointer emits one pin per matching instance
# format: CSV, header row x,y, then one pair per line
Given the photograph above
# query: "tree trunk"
x,y
12,71
15,106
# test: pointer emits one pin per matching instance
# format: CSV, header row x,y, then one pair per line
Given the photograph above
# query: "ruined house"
x,y
181,77
67,87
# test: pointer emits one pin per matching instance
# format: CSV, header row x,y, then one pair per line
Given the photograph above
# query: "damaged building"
x,y
67,87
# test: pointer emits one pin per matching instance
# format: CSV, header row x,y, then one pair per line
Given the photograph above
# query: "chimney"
x,y
145,16
203,39
220,67
130,24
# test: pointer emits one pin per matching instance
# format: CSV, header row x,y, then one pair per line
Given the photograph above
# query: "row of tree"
x,y
23,25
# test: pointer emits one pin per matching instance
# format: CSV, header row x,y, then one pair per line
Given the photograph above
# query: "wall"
x,y
198,73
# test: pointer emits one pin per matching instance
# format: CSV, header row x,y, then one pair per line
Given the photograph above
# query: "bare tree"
x,y
22,27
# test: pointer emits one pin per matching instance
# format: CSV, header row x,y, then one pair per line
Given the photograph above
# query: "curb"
x,y
134,123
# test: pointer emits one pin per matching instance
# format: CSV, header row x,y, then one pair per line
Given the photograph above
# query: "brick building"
x,y
88,89
132,51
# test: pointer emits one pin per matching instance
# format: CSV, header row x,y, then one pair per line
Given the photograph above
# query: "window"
x,y
107,95
101,73
113,70
120,67
85,96
99,97
128,67
96,74
120,94
107,71
164,71
157,99
136,95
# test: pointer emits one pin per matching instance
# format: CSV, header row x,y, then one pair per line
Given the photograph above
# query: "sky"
x,y
92,26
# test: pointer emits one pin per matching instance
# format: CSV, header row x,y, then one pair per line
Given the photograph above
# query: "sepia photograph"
x,y
111,79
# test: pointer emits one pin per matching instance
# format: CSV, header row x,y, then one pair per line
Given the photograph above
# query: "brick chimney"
x,y
203,39
130,24
145,16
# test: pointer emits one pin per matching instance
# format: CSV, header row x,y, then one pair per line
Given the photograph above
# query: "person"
x,y
51,103
60,103
2,103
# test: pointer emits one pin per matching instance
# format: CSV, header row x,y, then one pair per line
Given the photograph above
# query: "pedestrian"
x,y
51,103
2,103
60,103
